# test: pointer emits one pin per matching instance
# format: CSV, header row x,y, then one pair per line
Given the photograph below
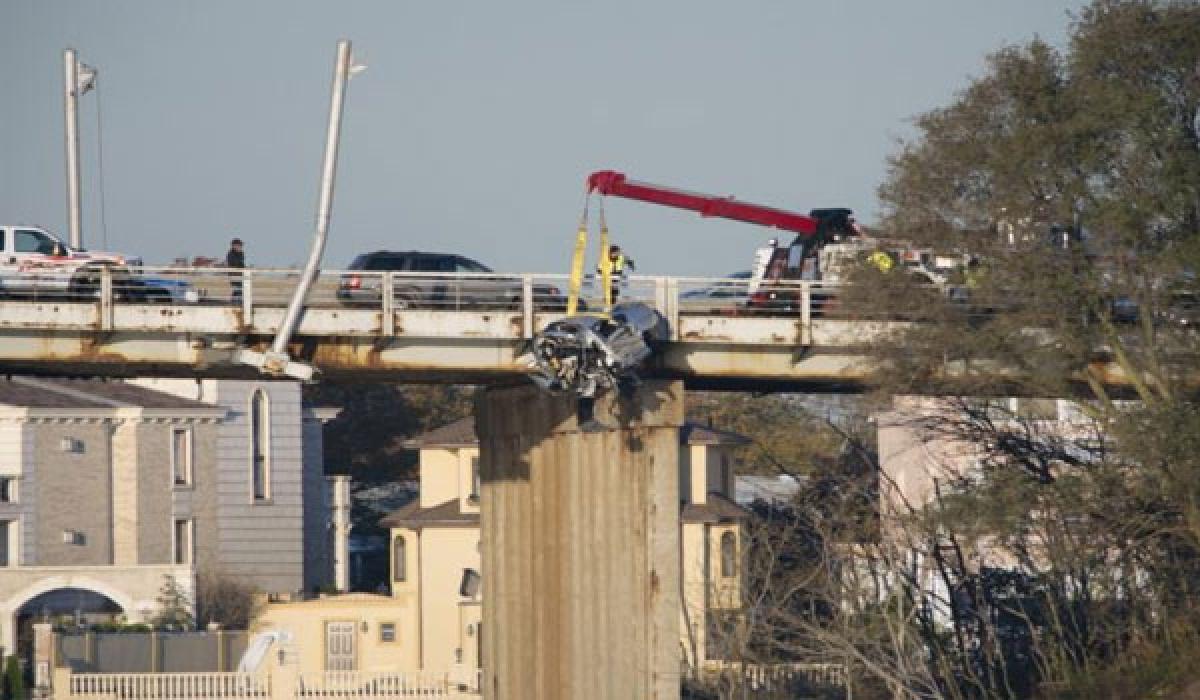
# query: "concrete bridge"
x,y
581,526
462,328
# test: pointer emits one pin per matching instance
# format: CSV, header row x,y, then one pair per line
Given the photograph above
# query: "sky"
x,y
476,123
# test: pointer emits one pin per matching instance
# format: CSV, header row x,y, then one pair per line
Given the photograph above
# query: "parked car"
x,y
737,287
163,290
446,281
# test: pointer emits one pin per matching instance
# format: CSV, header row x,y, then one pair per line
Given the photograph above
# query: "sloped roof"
x,y
461,433
48,392
717,509
445,514
697,434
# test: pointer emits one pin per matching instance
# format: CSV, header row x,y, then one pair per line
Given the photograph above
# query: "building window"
x,y
183,542
7,543
399,560
181,455
474,495
387,632
260,445
728,555
8,489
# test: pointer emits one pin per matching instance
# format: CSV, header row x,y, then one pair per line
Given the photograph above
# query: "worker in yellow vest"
x,y
618,269
882,261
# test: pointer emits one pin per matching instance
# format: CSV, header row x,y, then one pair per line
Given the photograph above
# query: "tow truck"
x,y
825,241
585,353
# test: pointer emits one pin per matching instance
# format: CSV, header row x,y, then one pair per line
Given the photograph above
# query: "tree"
x,y
174,607
14,678
1073,178
225,600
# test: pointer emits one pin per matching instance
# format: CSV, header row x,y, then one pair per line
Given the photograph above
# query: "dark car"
x,y
439,281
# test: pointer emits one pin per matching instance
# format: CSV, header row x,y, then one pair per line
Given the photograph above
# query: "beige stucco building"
x,y
437,582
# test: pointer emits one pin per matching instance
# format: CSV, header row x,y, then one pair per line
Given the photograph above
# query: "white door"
x,y
339,646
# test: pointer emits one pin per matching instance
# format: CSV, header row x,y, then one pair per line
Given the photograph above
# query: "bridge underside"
x,y
422,360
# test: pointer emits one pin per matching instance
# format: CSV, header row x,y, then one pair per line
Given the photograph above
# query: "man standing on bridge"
x,y
235,259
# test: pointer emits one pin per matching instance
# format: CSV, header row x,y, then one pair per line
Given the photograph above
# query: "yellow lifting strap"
x,y
577,266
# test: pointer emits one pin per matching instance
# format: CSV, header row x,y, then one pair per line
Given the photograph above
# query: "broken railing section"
x,y
587,354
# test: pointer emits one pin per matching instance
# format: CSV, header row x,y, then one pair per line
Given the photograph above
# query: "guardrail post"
x,y
106,298
247,298
387,294
526,306
806,313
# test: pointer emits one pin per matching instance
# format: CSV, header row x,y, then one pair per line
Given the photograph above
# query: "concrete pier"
x,y
580,548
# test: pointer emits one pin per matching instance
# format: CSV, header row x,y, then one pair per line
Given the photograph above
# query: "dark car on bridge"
x,y
443,281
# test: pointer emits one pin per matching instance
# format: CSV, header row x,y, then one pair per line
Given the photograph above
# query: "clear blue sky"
x,y
475,124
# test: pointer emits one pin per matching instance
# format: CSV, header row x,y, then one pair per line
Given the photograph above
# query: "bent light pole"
x,y
276,360
77,79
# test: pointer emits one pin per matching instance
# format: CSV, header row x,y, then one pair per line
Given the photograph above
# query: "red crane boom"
x,y
608,182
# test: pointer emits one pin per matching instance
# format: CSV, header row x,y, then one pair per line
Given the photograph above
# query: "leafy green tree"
x,y
1073,179
14,679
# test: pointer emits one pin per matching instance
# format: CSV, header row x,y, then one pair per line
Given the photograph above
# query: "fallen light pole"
x,y
276,360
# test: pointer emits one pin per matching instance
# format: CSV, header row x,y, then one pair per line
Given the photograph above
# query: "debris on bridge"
x,y
584,354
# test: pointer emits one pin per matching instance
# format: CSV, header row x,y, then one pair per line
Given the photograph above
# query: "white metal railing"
x,y
781,676
170,686
388,684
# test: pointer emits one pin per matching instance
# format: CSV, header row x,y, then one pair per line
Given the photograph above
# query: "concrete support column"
x,y
580,548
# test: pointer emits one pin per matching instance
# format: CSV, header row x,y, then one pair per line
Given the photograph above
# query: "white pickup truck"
x,y
36,264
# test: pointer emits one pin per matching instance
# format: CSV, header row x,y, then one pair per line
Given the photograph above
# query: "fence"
x,y
252,686
360,684
779,681
150,652
167,686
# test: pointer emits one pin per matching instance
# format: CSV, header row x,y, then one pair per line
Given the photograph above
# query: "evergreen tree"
x,y
174,607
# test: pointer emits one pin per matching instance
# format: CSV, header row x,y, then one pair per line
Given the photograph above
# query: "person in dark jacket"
x,y
236,259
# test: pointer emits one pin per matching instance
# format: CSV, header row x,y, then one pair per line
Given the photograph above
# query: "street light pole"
x,y
276,360
77,79
71,106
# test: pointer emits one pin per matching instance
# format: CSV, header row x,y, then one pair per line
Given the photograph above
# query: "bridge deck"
x,y
425,328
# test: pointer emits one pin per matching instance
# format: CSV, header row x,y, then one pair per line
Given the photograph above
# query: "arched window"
x,y
399,560
260,445
728,555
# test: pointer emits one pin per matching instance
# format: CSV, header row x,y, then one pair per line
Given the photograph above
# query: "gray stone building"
x,y
107,488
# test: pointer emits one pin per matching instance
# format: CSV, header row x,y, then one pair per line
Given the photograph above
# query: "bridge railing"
x,y
531,296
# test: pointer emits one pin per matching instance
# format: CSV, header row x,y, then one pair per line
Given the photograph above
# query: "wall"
x,y
261,542
439,476
73,492
445,552
305,622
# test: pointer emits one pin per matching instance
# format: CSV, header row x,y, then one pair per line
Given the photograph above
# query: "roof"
x,y
716,509
445,514
51,393
461,433
697,434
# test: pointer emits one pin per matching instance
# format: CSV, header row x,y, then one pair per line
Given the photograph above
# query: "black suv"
x,y
440,281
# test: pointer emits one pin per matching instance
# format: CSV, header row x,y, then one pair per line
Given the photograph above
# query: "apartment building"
x,y
107,488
